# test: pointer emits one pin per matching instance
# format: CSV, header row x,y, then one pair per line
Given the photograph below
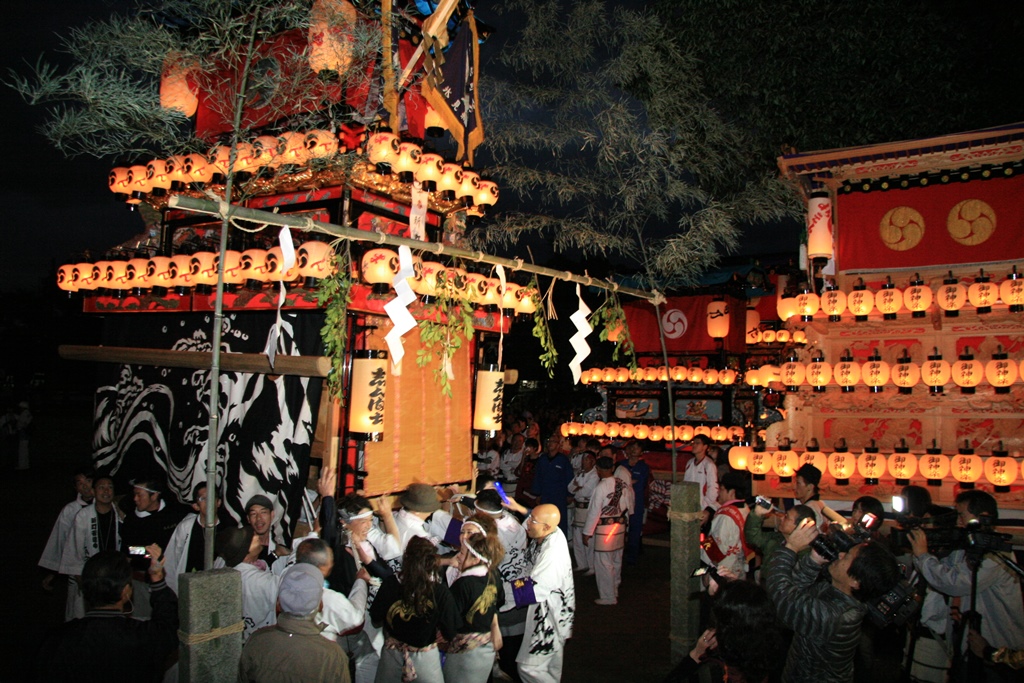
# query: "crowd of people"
x,y
479,584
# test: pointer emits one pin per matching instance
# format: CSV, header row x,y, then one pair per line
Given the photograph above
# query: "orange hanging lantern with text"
x,y
739,456
408,161
782,336
429,171
612,430
784,462
1000,470
332,35
933,465
66,279
841,465
627,430
786,306
275,266
966,467
694,374
88,279
175,91
382,150
759,463
657,433
720,433
1001,372
833,302
710,376
818,372
902,464
982,294
967,372
871,464
917,297
717,318
861,301
875,372
727,376
684,433
1011,291
768,335
846,372
889,300
807,304
819,228
752,326
905,374
951,296
935,372
813,456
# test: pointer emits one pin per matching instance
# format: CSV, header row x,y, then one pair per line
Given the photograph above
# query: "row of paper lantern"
x,y
755,335
966,372
951,296
174,174
660,373
999,469
626,430
312,260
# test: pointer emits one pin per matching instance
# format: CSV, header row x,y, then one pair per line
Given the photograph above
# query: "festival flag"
x,y
452,89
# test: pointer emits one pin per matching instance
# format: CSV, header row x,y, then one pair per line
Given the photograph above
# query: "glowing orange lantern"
x,y
768,336
807,304
1001,471
753,323
982,294
486,193
612,430
917,297
902,464
180,180
66,278
719,433
694,374
88,276
1011,291
622,375
245,158
860,301
382,150
875,372
726,376
784,462
702,429
813,456
1000,371
175,91
315,260
626,430
181,276
793,374
684,433
322,144
759,462
818,372
833,302
846,372
119,180
782,336
331,35
264,149
378,268
718,319
905,374
889,300
935,372
819,228
450,182
198,168
407,162
951,296
429,171
967,372
739,456
710,376
786,306
276,269
871,464
600,428
656,434
966,467
934,466
799,337
841,465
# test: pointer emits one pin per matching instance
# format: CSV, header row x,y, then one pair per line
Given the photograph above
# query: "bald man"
x,y
549,592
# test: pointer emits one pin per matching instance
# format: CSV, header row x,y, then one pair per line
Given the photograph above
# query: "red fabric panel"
x,y
860,242
684,319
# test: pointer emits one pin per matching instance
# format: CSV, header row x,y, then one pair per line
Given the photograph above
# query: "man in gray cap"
x,y
292,649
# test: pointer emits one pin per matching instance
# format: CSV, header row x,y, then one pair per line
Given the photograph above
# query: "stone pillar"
x,y
210,603
685,611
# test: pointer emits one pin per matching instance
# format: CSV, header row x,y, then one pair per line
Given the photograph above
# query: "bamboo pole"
x,y
303,366
234,211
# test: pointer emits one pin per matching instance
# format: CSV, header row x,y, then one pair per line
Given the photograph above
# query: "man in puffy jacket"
x,y
825,616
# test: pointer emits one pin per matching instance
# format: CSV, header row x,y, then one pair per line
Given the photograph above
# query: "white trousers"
x,y
608,568
75,607
584,554
548,670
427,665
361,651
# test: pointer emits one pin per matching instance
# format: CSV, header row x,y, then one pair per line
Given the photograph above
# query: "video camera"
x,y
943,537
898,604
837,540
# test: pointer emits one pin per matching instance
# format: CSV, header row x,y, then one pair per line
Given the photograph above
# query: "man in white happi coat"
x,y
726,546
511,459
605,528
581,489
96,527
421,515
701,470
551,596
183,552
239,548
50,559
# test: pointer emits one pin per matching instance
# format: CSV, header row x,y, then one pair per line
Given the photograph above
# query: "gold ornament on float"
x,y
971,222
901,228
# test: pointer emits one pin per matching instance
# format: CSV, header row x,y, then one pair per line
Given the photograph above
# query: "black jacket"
x,y
825,621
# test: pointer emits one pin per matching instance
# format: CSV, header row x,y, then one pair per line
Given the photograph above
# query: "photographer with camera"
x,y
826,616
988,588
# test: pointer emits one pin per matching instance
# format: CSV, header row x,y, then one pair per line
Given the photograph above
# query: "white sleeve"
x,y
73,557
594,509
50,559
711,499
339,613
385,545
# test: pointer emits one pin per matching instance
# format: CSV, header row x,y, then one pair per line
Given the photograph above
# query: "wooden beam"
x,y
304,366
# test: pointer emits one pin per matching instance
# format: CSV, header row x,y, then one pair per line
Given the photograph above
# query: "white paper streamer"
x,y
398,308
418,212
287,262
579,340
500,269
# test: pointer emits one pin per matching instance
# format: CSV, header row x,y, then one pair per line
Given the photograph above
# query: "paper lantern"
x,y
982,294
264,150
596,374
476,286
889,300
902,464
967,372
813,456
612,430
739,456
694,374
180,180
525,301
657,433
489,296
490,388
784,463
455,283
846,372
678,373
951,296
220,157
233,273
291,149
875,372
486,193
181,277
429,170
718,319
276,269
66,278
1001,471
321,144
966,467
425,283
608,374
759,462
782,336
585,377
841,465
198,168
727,376
468,188
807,304
1011,291
833,303
600,428
158,271
119,181
378,268
702,429
719,433
1001,372
818,373
433,123
819,228
752,377
650,374
159,177
752,325
367,395
564,429
450,182
245,158
860,301
770,374
793,374
799,337
175,91
254,265
508,298
574,428
934,466
905,374
331,35
87,276
203,266
785,306
684,433
622,375
935,372
136,273
626,430
710,376
917,297
315,260
407,162
871,465
382,150
768,336
737,433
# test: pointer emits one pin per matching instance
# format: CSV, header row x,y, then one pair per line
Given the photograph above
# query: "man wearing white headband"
x,y
153,521
605,528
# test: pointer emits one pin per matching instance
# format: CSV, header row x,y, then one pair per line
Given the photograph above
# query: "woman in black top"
x,y
478,594
412,606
